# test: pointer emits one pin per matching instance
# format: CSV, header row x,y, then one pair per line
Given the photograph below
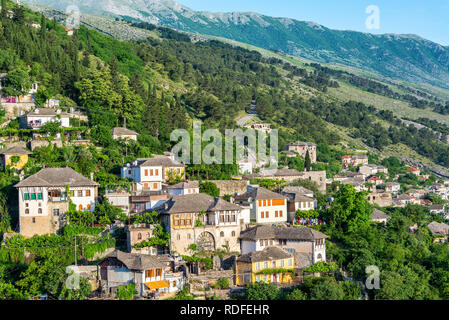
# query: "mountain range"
x,y
405,57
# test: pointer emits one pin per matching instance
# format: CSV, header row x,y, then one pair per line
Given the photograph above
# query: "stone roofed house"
x,y
304,243
14,153
405,199
358,183
149,273
200,219
381,198
124,133
264,266
392,187
43,199
298,189
231,187
263,127
299,198
291,175
355,160
379,216
417,193
149,173
439,190
265,206
301,148
40,116
437,209
375,180
372,169
439,230
182,188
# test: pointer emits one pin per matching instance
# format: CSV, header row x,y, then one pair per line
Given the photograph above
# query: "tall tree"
x,y
308,162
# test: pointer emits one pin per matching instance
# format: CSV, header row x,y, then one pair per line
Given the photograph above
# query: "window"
x,y
282,263
258,278
146,172
261,243
260,203
56,212
290,262
262,214
33,196
157,172
72,193
151,172
80,207
265,265
320,257
80,193
222,234
276,213
189,236
34,220
27,211
27,196
178,237
265,203
267,214
266,243
278,202
39,211
280,213
87,193
40,196
257,266
139,236
158,272
150,273
233,233
27,205
265,278
88,206
154,185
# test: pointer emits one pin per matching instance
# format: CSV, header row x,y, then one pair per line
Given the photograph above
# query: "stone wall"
x,y
231,187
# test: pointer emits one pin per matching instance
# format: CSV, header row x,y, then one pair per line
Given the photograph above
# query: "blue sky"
x,y
426,18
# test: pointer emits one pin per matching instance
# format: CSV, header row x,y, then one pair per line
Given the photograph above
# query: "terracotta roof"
x,y
284,233
15,150
260,194
196,203
413,169
119,131
139,262
268,254
56,177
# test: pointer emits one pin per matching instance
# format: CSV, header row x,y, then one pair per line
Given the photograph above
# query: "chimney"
x,y
92,176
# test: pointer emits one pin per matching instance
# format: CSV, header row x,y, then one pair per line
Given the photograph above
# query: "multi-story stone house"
x,y
379,216
149,174
299,199
265,266
119,199
307,245
392,187
209,223
419,194
381,198
137,233
141,202
302,148
372,169
44,198
355,160
15,157
265,206
151,274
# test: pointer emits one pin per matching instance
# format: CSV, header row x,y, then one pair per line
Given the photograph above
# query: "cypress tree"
x,y
308,162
